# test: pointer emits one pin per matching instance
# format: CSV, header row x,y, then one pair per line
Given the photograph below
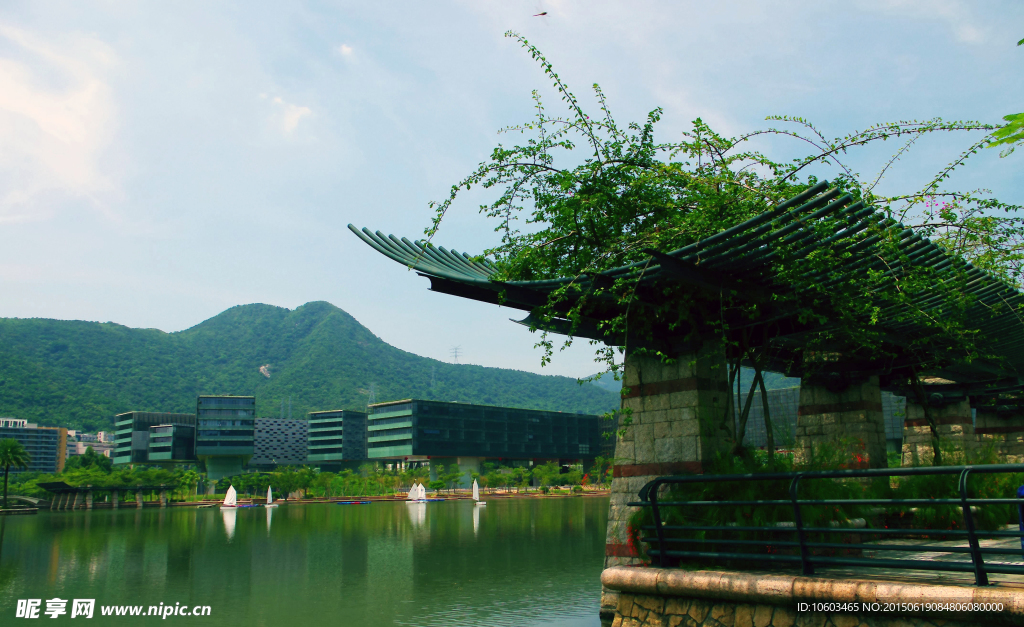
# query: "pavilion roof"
x,y
740,259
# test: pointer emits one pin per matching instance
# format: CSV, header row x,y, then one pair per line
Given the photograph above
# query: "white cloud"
x,y
290,115
56,117
957,15
345,50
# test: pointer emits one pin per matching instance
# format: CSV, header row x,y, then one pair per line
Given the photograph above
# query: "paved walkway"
x,y
931,576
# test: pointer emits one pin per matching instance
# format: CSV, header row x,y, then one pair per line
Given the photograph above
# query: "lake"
x,y
523,562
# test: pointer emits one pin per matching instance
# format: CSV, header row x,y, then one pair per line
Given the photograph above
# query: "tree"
x,y
1011,135
12,453
89,459
630,195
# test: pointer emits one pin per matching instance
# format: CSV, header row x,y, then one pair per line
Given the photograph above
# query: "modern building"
x,y
172,444
101,443
46,446
335,438
783,404
225,433
278,442
139,437
416,430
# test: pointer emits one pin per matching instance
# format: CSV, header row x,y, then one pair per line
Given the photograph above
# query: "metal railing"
x,y
667,546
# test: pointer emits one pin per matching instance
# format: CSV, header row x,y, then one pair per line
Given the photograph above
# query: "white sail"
x,y
421,492
476,491
413,493
231,498
270,495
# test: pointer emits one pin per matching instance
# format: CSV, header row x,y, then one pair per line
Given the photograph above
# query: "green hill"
x,y
79,374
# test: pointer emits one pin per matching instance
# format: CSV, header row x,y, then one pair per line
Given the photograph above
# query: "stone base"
x,y
649,597
826,417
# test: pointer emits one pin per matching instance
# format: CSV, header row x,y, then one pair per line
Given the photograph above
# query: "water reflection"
x,y
417,514
229,515
529,562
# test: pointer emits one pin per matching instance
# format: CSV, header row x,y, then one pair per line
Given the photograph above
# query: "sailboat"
x,y
417,493
476,494
230,499
270,498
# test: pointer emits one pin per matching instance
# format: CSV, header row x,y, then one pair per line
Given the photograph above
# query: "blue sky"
x,y
162,162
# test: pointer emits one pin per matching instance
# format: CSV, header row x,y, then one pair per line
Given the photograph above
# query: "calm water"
x,y
515,562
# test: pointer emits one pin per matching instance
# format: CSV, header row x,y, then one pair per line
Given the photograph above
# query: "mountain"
x,y
79,374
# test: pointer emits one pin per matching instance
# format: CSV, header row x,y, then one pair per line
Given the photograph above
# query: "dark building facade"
x,y
134,429
336,436
225,433
418,428
47,446
278,442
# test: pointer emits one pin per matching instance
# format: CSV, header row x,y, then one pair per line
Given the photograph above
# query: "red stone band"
x,y
619,550
676,385
988,430
658,469
835,408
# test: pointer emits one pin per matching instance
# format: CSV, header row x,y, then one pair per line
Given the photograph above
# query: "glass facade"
x,y
47,446
434,428
133,431
335,436
172,443
225,425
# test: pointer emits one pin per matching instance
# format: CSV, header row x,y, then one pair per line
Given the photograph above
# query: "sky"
x,y
162,162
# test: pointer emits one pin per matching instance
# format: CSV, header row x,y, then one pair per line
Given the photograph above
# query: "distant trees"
x,y
89,459
12,453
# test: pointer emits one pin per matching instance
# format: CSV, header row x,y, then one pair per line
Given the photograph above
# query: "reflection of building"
x,y
141,437
414,430
46,445
225,430
279,442
336,436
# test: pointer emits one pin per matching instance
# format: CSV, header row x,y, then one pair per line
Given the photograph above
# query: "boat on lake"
x,y
270,498
476,494
230,499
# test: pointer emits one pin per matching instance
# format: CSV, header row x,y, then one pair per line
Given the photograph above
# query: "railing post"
x,y
980,576
1020,515
805,558
652,493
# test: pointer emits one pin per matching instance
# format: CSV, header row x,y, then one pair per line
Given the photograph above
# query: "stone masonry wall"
x,y
953,422
826,417
1004,434
678,422
639,610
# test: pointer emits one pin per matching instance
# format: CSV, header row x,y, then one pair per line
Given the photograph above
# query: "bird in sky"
x,y
540,14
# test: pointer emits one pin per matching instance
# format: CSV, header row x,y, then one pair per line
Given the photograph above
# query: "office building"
x,y
45,445
336,438
134,430
278,442
225,433
416,430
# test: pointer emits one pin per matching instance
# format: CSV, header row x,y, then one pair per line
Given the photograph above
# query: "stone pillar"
x,y
115,498
953,423
88,500
163,498
678,423
138,499
74,505
826,416
1003,432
